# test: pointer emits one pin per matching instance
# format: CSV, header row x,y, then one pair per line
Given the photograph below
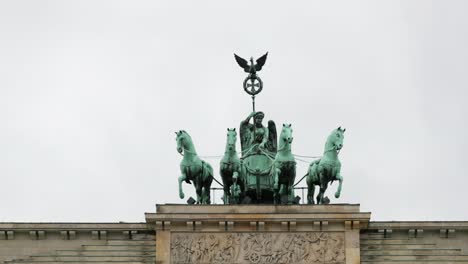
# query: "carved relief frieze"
x,y
306,247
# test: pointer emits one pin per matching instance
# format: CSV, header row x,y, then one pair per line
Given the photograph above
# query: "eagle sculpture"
x,y
251,68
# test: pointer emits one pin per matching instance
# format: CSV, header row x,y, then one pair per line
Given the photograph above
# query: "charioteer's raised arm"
x,y
247,120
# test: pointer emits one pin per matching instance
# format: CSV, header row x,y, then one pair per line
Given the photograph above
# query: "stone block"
x,y
32,235
388,233
292,226
190,226
41,235
222,226
64,235
353,256
419,233
95,235
103,235
443,233
253,226
159,225
450,233
348,225
324,225
261,226
356,225
163,246
316,225
128,234
10,235
99,235
68,234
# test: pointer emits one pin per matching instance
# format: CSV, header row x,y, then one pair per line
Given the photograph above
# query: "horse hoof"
x,y
181,195
337,195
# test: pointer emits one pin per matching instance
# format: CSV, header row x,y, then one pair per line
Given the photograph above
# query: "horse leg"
x,y
310,188
182,178
323,188
340,181
227,196
276,189
226,189
236,183
206,197
320,195
282,192
310,193
199,192
292,178
226,186
206,184
276,172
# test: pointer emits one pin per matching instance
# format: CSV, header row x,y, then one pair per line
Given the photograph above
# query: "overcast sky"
x,y
91,93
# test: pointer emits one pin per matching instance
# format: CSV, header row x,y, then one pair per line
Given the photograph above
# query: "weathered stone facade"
x,y
239,234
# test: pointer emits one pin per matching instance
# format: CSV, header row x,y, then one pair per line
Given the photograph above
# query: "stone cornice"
x,y
428,225
73,226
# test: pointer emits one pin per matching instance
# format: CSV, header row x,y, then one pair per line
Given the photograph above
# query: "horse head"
x,y
286,134
335,140
184,141
231,139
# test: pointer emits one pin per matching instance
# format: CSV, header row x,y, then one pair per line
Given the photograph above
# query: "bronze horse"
x,y
193,169
327,169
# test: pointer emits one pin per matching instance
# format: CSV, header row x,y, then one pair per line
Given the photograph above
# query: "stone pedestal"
x,y
258,233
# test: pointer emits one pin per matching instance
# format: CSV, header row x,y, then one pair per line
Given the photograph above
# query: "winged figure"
x,y
255,136
251,68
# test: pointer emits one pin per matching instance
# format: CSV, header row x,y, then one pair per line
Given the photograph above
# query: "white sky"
x,y
91,93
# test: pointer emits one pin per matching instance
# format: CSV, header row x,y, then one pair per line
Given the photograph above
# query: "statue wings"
x,y
242,63
251,68
272,137
260,62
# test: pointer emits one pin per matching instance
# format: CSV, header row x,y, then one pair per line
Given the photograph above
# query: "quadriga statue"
x,y
193,169
327,169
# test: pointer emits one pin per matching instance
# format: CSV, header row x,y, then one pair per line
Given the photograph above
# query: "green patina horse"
x,y
327,169
193,169
230,170
284,167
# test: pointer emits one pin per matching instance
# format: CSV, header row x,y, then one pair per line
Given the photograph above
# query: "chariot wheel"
x,y
254,257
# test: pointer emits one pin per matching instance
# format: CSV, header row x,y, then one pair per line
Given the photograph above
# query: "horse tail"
x,y
207,172
312,172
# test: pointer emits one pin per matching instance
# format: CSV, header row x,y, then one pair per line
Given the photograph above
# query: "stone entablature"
x,y
258,217
38,242
69,231
337,233
257,233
